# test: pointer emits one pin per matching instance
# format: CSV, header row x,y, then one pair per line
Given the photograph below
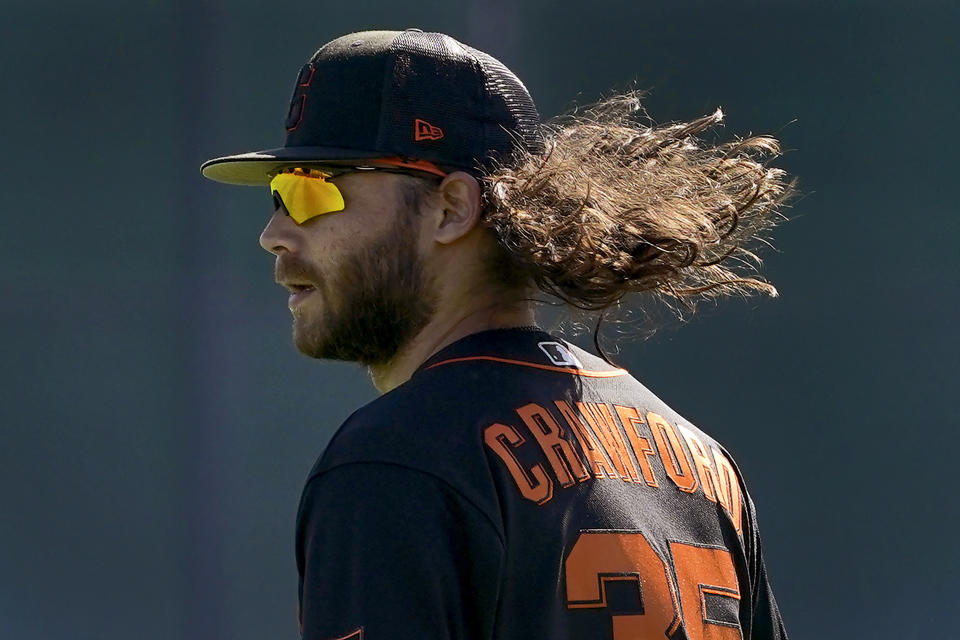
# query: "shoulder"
x,y
428,426
410,426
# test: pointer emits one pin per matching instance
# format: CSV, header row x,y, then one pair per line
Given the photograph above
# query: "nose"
x,y
279,234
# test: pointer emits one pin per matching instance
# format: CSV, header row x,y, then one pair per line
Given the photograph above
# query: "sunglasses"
x,y
306,192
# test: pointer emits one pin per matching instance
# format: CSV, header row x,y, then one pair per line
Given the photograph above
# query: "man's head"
x,y
368,273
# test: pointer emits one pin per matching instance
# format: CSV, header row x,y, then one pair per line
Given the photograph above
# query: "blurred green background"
x,y
156,423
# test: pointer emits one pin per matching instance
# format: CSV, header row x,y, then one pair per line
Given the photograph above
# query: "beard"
x,y
372,305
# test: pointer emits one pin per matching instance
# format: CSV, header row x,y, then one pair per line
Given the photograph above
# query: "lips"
x,y
298,293
295,286
296,276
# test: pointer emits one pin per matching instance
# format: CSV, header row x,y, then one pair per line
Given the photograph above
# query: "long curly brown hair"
x,y
615,207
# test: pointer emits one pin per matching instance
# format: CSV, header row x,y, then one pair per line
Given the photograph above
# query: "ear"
x,y
460,198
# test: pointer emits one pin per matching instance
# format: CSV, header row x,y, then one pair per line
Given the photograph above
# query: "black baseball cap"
x,y
409,94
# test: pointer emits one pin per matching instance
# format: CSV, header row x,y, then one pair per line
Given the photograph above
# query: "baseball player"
x,y
507,483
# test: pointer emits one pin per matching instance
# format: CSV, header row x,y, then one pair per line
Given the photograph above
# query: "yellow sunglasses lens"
x,y
306,196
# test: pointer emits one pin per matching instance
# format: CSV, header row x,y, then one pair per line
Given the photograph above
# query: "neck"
x,y
444,329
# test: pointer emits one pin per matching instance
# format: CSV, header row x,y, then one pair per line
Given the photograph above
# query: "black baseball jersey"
x,y
518,486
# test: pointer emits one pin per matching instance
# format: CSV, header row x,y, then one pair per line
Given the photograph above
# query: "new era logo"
x,y
559,354
423,130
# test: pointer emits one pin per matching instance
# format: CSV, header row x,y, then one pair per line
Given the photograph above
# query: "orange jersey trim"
x,y
577,372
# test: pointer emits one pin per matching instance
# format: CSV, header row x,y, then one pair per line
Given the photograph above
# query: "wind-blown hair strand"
x,y
615,207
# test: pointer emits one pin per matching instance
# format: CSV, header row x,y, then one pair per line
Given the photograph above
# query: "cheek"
x,y
325,239
344,233
328,252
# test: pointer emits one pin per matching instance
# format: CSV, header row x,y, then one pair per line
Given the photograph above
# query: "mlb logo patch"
x,y
559,354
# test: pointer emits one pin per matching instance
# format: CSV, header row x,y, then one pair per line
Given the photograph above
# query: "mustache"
x,y
289,267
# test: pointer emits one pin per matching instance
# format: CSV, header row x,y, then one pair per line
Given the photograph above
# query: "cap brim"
x,y
254,168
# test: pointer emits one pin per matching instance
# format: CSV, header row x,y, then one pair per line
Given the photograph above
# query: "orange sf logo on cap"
x,y
423,130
